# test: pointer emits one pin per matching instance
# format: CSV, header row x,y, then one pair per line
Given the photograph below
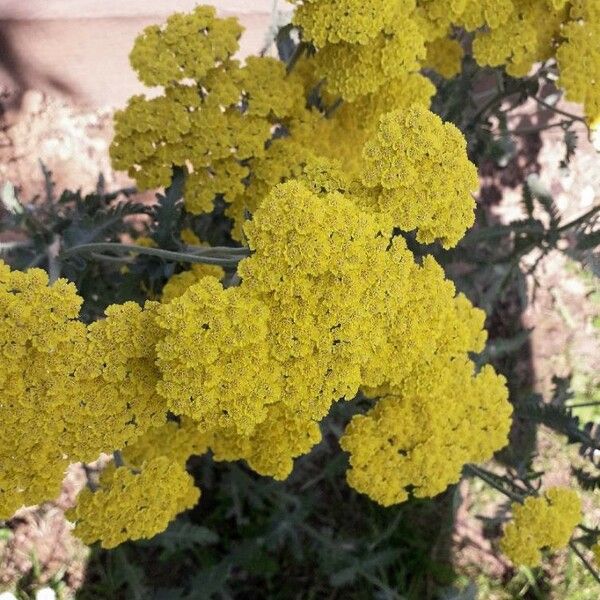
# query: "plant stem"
x,y
532,130
489,479
298,52
53,254
583,404
559,111
223,256
580,220
585,561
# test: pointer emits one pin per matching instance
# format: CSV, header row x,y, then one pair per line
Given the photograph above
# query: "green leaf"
x,y
586,480
570,139
589,241
545,199
167,213
500,347
182,535
363,566
210,581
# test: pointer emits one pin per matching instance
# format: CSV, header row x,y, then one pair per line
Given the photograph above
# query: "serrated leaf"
x,y
100,226
545,199
167,212
183,535
363,565
570,139
589,241
499,347
210,581
586,480
130,575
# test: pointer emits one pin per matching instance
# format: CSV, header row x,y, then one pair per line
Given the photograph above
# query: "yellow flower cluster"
x,y
353,70
271,448
544,522
361,46
518,33
40,345
213,357
115,383
68,391
579,63
316,260
188,47
528,36
133,505
331,299
420,440
214,117
353,21
418,172
444,55
429,392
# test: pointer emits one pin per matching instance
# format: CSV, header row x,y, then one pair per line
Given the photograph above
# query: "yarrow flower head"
x,y
41,343
579,65
420,439
214,117
187,47
133,505
419,173
544,522
353,70
352,21
214,358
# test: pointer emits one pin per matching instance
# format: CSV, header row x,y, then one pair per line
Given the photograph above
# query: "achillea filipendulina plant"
x,y
332,168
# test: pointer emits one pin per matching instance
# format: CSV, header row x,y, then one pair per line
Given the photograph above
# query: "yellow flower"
x,y
133,505
419,173
444,56
41,345
271,448
579,65
544,522
214,359
353,21
420,439
353,70
187,47
528,36
116,383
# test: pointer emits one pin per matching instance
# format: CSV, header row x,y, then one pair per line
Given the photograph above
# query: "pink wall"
x,y
79,48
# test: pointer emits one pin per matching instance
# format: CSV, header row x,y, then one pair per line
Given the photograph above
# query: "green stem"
x,y
53,254
298,52
585,561
532,130
223,256
580,220
559,111
489,479
583,404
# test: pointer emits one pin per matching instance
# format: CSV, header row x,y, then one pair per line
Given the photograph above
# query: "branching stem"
x,y
219,255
